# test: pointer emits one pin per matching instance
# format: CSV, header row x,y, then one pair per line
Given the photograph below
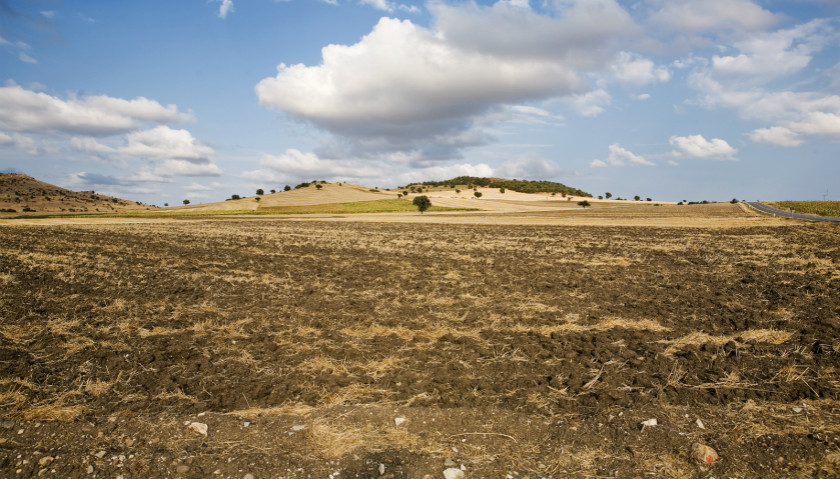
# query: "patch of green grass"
x,y
819,208
375,206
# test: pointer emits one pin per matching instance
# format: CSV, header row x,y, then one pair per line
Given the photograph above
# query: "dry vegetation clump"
x,y
525,350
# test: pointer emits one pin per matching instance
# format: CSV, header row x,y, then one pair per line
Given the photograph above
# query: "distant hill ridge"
x,y
522,186
22,194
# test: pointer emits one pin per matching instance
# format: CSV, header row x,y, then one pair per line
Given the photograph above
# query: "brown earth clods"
x,y
513,351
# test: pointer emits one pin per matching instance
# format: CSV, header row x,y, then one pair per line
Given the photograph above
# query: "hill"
x,y
22,194
312,194
522,186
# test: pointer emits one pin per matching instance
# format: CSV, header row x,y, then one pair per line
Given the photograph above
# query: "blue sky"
x,y
159,101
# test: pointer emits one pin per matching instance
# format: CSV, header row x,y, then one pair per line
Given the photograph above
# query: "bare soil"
x,y
511,350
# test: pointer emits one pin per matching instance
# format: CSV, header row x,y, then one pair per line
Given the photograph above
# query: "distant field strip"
x,y
374,206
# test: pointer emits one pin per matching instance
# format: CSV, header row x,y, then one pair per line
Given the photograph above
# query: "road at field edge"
x,y
786,214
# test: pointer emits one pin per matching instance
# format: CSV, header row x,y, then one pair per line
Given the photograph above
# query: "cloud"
x,y
528,166
172,152
294,165
26,58
163,142
406,88
22,142
620,157
766,56
89,145
776,135
27,110
691,16
632,68
589,104
225,8
696,146
643,96
172,166
739,82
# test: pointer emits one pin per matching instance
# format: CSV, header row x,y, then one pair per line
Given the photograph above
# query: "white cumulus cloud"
x,y
634,69
27,110
696,146
408,88
620,157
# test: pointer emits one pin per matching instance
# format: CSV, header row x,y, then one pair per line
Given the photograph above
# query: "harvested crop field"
x,y
316,349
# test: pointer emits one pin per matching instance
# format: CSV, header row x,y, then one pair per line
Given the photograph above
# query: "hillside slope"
x,y
311,195
22,194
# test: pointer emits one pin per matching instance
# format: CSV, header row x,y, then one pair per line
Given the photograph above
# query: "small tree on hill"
x,y
477,194
422,203
287,188
319,186
186,202
583,204
260,192
637,197
607,195
501,190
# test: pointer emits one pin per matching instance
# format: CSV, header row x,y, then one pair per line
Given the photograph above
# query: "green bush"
x,y
422,203
584,204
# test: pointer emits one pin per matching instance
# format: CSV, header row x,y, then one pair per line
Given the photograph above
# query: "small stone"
x,y
129,442
649,423
699,423
797,409
381,469
199,427
299,427
453,473
8,424
781,460
217,472
100,454
248,476
703,453
154,441
182,469
90,469
399,421
46,461
246,424
20,431
450,463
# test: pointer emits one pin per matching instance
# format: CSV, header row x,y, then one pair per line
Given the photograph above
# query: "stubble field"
x,y
511,350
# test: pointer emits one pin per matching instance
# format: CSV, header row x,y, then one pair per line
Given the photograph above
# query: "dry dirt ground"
x,y
331,348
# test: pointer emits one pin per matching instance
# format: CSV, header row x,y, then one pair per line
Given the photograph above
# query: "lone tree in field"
x,y
260,192
477,194
583,204
186,202
608,195
422,203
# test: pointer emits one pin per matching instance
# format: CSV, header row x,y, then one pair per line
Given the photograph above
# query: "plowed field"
x,y
511,350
